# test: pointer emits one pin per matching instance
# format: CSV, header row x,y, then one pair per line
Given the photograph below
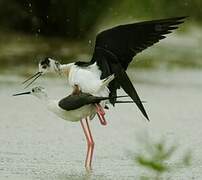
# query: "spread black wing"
x,y
116,47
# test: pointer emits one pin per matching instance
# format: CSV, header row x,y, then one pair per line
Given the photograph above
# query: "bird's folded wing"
x,y
73,102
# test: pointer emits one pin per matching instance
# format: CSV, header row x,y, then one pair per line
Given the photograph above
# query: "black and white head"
x,y
46,65
38,92
49,65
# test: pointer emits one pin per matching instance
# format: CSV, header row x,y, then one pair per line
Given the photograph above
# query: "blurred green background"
x,y
66,30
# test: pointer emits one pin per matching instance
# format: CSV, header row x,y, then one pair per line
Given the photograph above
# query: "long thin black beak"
x,y
34,77
21,93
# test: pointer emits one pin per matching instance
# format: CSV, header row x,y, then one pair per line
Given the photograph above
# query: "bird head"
x,y
38,92
49,65
46,65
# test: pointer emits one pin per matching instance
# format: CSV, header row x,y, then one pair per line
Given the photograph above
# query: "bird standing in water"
x,y
113,52
74,108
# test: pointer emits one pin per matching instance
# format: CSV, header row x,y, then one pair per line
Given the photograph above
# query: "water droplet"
x,y
186,3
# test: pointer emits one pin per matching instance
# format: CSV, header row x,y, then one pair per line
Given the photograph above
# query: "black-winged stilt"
x,y
81,107
114,50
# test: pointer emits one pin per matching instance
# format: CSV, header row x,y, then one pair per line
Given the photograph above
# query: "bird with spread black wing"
x,y
114,50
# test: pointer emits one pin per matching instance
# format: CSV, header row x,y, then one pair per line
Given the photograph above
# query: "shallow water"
x,y
35,144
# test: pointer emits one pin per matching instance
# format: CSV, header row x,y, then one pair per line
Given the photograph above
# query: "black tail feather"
x,y
128,87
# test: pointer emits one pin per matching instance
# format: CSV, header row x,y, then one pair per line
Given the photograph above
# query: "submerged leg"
x,y
100,113
90,144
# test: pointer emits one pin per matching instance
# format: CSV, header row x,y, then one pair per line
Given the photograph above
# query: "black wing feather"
x,y
116,47
125,41
73,102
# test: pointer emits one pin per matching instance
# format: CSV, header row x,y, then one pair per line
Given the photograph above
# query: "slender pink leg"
x,y
102,119
91,143
100,109
100,114
87,138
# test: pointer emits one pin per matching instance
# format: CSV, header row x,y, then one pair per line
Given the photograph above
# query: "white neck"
x,y
65,68
42,96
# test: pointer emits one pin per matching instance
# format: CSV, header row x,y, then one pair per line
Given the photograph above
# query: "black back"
x,y
73,102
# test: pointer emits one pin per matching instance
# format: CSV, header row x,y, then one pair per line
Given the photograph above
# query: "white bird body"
x,y
74,108
87,79
73,115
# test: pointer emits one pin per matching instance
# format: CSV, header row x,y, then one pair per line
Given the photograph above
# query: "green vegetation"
x,y
156,156
66,29
75,18
24,49
177,51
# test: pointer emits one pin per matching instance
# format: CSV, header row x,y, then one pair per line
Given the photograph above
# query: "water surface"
x,y
35,144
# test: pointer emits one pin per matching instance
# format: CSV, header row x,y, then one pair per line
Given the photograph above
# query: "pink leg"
x,y
100,114
90,144
87,138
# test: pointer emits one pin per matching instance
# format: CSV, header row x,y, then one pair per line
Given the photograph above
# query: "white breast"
x,y
88,79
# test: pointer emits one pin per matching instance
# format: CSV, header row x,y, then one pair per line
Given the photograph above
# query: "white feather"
x,y
88,80
73,115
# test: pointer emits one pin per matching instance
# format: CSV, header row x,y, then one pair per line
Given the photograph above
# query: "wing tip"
x,y
146,116
167,26
144,113
179,18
